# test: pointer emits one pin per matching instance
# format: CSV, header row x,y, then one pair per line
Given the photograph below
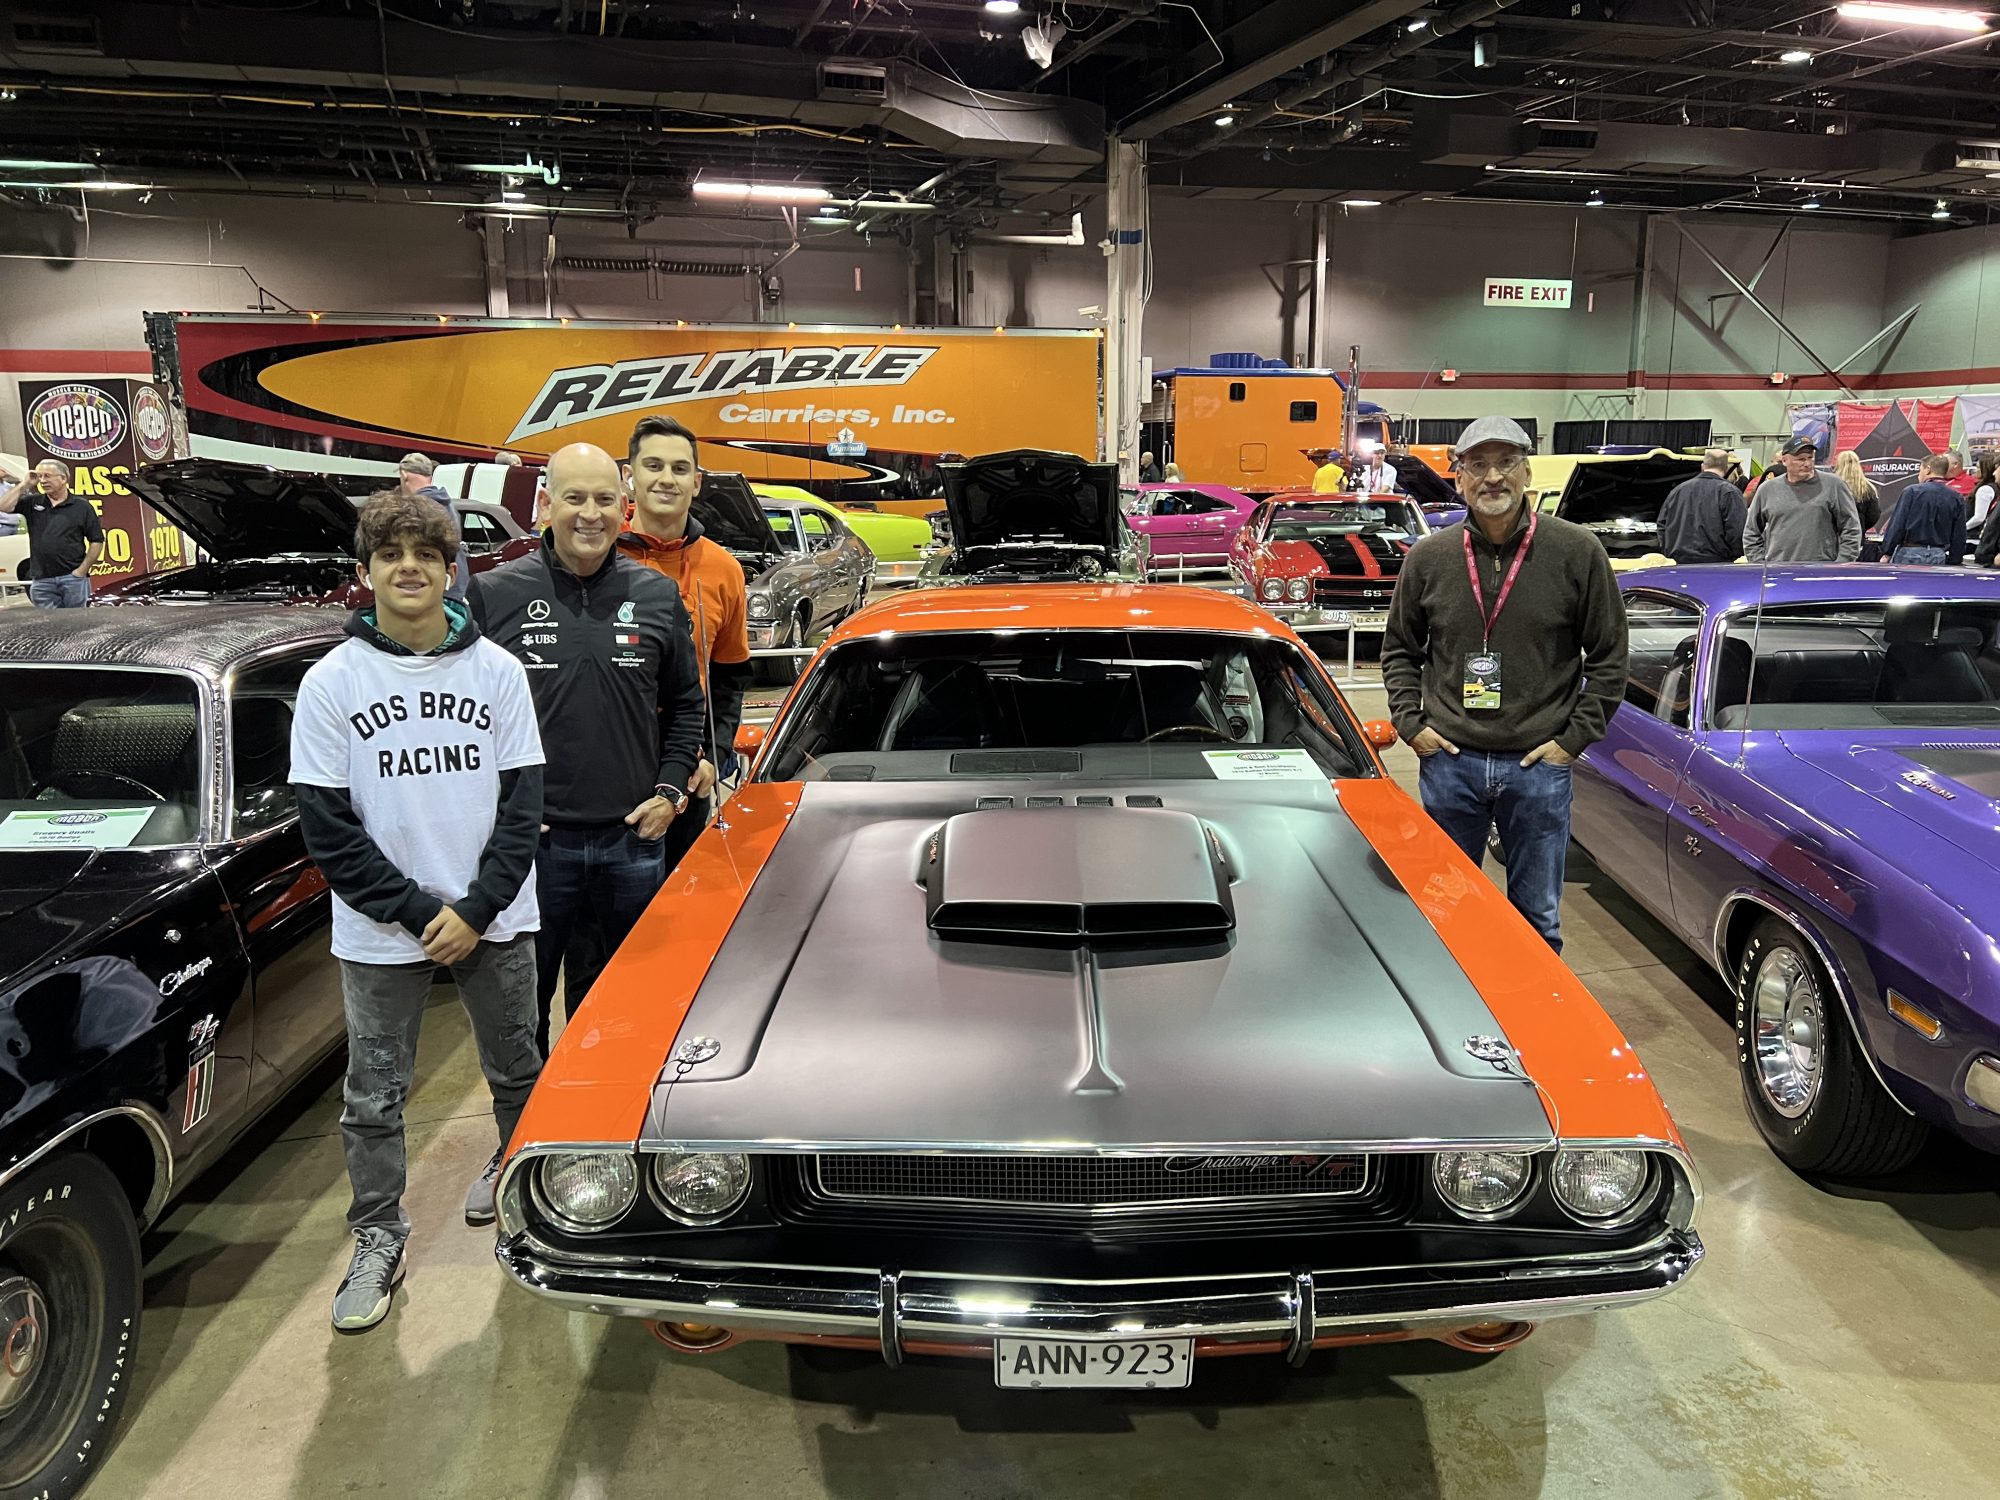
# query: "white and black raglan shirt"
x,y
420,786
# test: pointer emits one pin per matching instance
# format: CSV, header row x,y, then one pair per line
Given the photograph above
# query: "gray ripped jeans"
x,y
385,1011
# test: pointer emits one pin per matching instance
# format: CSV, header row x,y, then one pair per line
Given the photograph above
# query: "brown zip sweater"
x,y
1561,639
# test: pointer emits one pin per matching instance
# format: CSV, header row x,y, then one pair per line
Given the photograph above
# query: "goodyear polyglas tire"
x,y
69,1321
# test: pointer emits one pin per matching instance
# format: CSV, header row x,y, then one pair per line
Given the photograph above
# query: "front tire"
x,y
69,1322
1809,1091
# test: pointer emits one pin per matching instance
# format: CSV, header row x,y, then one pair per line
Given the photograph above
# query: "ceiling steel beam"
x,y
1409,43
1282,36
1675,39
1736,75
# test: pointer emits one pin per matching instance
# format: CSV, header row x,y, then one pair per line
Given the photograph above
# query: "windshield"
x,y
97,758
1153,705
1922,665
1302,523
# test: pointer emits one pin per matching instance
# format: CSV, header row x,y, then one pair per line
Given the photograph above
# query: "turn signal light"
x,y
1914,1016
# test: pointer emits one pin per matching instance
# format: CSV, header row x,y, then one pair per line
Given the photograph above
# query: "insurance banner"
x,y
1892,439
867,410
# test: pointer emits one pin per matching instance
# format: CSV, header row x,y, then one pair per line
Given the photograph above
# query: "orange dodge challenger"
x,y
1069,986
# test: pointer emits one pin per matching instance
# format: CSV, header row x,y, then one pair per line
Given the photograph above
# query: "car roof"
x,y
207,639
1740,585
1048,606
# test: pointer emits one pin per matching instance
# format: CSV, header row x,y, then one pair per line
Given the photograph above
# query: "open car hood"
x,y
1032,495
1623,494
238,512
732,516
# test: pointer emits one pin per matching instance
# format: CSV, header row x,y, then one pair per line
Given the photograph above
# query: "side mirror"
x,y
749,740
1380,733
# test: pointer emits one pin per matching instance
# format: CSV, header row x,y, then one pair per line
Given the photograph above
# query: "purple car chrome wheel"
x,y
1787,1014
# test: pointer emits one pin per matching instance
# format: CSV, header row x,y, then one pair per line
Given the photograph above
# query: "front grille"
x,y
1097,1184
1095,1199
1354,593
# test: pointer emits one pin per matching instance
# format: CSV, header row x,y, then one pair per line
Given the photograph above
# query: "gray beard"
x,y
1495,507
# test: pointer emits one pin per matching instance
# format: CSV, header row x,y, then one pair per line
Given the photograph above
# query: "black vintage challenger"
x,y
164,970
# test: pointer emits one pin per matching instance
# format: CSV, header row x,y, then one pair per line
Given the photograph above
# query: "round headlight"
x,y
759,606
587,1190
1599,1185
1482,1184
1298,588
1274,589
701,1187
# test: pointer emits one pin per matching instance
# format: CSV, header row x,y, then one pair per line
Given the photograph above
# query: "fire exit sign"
x,y
1502,293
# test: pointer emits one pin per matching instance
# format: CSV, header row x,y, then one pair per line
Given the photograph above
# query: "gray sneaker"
x,y
479,1201
372,1278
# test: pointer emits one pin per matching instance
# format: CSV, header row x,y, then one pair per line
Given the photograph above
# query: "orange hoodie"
x,y
711,585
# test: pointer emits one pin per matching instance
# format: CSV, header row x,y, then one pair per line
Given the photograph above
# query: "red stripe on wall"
x,y
77,361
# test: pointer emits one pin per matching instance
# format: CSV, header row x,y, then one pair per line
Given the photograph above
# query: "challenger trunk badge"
x,y
696,1049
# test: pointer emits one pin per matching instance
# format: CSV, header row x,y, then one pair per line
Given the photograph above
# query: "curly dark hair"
x,y
392,514
657,426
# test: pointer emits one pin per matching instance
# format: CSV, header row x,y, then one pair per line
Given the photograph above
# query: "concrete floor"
x,y
1832,1345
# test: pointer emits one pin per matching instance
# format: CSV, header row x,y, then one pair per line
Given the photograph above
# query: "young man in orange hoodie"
x,y
663,473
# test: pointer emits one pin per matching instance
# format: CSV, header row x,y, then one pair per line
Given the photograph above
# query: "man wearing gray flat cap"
x,y
1504,657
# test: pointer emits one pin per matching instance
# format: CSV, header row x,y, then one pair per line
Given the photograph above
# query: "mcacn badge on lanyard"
x,y
1482,667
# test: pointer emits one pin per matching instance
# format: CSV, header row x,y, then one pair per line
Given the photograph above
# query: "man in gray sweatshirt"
x,y
1806,516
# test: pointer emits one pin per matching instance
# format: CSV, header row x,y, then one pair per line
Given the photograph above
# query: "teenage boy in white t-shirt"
x,y
418,767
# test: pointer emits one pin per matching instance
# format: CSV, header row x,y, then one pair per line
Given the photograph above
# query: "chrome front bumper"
x,y
900,1309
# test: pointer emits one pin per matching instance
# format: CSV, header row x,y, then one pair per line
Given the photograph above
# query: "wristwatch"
x,y
674,795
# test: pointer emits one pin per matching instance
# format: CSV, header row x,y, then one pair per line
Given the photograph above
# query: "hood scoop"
x,y
1065,877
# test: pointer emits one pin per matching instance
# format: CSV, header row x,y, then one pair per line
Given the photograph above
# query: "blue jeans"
x,y
1469,792
67,591
609,873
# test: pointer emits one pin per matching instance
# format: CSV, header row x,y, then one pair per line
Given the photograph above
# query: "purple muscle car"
x,y
1804,784
1187,526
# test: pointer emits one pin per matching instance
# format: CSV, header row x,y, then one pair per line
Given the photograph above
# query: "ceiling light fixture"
x,y
514,195
37,164
78,186
761,192
1595,200
1362,202
1416,25
1812,201
1796,55
1225,120
1003,7
1942,211
1943,17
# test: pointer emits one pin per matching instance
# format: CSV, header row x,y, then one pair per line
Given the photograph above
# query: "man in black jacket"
x,y
418,771
610,659
1702,518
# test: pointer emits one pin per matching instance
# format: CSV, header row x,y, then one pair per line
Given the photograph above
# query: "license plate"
x,y
1050,1364
1335,617
1373,621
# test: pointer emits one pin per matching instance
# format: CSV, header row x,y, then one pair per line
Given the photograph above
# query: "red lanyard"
x,y
1488,617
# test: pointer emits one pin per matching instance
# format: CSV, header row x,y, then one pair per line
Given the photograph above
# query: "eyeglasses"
x,y
1500,467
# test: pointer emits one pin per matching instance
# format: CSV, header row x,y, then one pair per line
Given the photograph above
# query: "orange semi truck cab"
x,y
1251,426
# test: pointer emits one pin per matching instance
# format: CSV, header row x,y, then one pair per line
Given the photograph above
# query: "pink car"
x,y
1187,526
